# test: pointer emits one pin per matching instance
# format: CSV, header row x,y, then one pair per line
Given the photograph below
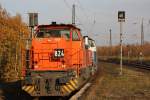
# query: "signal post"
x,y
121,19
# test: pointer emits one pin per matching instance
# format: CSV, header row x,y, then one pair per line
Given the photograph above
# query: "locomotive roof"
x,y
88,38
67,26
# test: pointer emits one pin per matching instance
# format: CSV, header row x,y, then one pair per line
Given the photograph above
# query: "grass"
x,y
132,85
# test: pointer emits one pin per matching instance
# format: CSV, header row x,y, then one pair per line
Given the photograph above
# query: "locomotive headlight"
x,y
36,66
63,66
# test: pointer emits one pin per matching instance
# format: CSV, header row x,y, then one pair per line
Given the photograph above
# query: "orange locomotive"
x,y
59,61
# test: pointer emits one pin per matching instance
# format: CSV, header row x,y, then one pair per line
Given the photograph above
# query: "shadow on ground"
x,y
12,91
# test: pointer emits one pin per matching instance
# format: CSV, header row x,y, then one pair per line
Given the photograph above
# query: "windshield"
x,y
47,33
91,43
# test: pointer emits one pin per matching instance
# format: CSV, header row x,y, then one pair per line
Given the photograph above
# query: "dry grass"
x,y
132,85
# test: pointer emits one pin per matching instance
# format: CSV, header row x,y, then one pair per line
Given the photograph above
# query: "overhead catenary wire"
x,y
78,21
92,21
66,3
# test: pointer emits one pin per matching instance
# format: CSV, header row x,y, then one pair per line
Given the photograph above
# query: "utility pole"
x,y
73,15
142,40
142,33
110,42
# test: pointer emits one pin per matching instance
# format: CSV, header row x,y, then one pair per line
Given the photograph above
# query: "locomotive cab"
x,y
54,45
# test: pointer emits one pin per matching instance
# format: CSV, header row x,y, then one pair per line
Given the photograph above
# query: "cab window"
x,y
47,33
75,36
91,43
66,34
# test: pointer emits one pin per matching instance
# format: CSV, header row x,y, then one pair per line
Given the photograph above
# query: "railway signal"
x,y
121,19
33,21
121,16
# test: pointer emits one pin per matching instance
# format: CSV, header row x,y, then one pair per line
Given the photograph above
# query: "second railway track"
x,y
136,64
139,65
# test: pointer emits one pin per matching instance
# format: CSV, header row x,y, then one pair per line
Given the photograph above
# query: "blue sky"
x,y
94,17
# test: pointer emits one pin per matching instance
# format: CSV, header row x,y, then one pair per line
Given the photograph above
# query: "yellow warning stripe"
x,y
75,81
63,90
28,89
73,84
71,87
31,90
66,88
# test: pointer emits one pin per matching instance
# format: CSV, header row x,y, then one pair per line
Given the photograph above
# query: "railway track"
x,y
139,65
79,95
80,92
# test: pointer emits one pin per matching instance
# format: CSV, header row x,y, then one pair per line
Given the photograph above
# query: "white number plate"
x,y
59,52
